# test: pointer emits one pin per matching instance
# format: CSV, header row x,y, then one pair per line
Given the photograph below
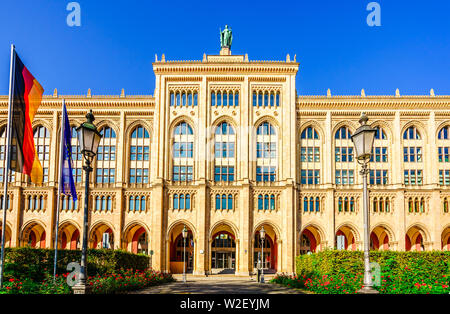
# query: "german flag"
x,y
27,96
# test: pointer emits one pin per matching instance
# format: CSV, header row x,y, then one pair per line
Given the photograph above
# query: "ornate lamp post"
x,y
363,141
89,138
184,233
262,235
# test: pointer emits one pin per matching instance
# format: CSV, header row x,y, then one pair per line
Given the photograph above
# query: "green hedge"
x,y
34,264
334,262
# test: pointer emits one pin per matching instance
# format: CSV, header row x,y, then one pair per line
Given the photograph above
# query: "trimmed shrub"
x,y
34,264
400,272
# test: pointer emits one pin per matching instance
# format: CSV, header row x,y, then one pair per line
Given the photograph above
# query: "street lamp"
x,y
262,235
363,141
88,138
184,233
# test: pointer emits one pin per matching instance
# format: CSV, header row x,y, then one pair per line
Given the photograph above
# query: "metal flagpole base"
x,y
82,289
368,290
262,278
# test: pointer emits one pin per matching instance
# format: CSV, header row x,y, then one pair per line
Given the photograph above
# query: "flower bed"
x,y
341,272
117,282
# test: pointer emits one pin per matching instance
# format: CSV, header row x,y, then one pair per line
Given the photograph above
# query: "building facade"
x,y
225,146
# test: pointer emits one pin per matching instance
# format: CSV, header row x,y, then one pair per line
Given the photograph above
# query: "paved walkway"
x,y
218,285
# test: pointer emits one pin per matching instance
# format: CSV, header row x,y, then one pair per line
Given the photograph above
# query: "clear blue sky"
x,y
117,42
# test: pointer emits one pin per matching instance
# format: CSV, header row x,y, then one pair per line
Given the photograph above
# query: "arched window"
x,y
266,202
103,203
139,156
266,153
77,157
411,133
375,205
183,153
217,201
378,174
443,143
445,206
311,204
106,157
188,201
230,201
272,202
143,203
386,205
422,205
412,156
3,155
42,143
309,157
381,205
410,205
344,159
181,201
260,202
219,99
340,204
305,204
352,204
176,201
224,152
317,204
224,201
416,205
131,203
346,204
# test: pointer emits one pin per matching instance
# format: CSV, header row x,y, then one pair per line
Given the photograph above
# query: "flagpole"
x,y
58,204
6,170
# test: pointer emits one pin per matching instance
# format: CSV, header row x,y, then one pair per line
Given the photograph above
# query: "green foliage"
x,y
117,282
333,271
36,264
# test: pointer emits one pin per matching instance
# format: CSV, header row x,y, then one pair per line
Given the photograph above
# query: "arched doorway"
x,y
269,250
223,250
102,237
136,240
310,240
7,235
414,239
69,237
33,236
446,239
346,239
379,239
177,246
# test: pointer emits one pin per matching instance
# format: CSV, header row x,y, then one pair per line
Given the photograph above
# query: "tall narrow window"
x,y
266,153
344,157
224,152
309,156
443,143
379,159
140,144
42,142
106,157
412,156
183,153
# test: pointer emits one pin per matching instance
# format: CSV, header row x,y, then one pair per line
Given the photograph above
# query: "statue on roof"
x,y
226,37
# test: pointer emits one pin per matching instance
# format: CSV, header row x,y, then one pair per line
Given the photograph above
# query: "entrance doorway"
x,y
223,253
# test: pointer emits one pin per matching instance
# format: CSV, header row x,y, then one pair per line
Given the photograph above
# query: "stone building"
x,y
225,146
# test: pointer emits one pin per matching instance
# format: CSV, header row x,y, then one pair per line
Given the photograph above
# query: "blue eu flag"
x,y
67,182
